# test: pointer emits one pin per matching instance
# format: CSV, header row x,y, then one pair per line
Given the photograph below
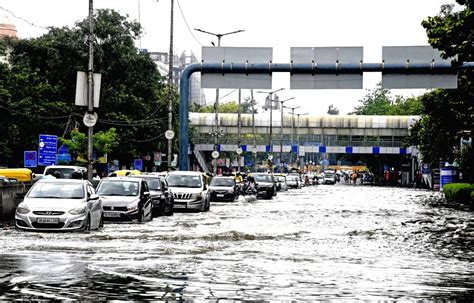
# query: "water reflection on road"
x,y
321,242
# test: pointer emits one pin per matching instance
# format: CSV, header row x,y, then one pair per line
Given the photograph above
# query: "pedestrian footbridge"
x,y
349,134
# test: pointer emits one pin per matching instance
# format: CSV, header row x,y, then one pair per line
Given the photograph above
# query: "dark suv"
x,y
160,194
266,186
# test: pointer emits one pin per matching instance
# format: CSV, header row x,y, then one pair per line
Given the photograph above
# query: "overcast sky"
x,y
267,23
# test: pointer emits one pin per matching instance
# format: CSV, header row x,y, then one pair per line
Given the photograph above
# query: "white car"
x,y
190,190
60,204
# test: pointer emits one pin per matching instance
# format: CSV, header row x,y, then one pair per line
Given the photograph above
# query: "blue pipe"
x,y
294,68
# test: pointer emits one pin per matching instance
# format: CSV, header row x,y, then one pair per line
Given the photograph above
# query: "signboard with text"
x,y
47,150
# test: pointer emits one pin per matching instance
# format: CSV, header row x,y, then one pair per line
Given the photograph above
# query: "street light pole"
x,y
270,98
292,127
298,133
254,149
216,104
281,127
239,126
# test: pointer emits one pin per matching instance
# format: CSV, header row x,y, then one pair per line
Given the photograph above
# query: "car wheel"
x,y
87,224
101,222
141,216
170,212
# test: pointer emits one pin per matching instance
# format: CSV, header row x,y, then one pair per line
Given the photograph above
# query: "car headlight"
x,y
133,206
231,191
78,210
22,209
198,196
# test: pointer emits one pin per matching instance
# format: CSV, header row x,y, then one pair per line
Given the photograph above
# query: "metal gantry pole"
x,y
90,90
296,68
170,90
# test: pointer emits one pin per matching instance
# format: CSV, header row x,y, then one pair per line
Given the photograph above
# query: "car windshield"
x,y
224,182
62,173
118,188
184,181
263,178
57,191
153,184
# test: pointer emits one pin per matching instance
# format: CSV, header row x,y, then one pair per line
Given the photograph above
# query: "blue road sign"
x,y
322,149
294,148
349,149
30,158
47,150
138,164
63,155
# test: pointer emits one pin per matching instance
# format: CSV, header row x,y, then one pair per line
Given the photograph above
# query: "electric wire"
x,y
187,25
22,19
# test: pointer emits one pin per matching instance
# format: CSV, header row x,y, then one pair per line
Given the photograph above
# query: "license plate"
x,y
111,214
262,192
48,220
179,206
220,195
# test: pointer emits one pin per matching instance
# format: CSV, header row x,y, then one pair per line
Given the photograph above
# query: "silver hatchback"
x,y
60,204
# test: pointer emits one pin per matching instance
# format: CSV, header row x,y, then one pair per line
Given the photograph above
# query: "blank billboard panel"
x,y
252,55
412,55
326,55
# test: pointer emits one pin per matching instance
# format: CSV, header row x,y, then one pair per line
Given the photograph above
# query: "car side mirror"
x,y
93,197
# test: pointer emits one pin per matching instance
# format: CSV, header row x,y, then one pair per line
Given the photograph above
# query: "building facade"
x,y
196,93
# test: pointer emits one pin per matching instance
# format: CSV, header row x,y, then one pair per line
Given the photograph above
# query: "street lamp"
x,y
281,128
270,98
216,104
292,126
298,133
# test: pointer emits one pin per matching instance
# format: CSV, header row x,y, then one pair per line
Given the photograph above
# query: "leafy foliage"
x,y
449,114
378,101
227,107
37,89
332,110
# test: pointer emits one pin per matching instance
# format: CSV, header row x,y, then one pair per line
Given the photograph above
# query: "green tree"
x,y
41,81
449,114
104,143
378,101
227,107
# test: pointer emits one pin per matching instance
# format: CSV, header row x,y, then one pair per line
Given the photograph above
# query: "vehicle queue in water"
x,y
61,199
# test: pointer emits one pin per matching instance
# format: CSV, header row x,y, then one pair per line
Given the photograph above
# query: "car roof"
x,y
66,166
185,172
61,181
134,178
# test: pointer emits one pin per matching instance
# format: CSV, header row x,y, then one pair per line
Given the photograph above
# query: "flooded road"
x,y
317,243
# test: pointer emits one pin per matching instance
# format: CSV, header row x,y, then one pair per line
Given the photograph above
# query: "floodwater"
x,y
317,243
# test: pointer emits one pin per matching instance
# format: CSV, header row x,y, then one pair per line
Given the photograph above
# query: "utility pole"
x,y
170,89
90,90
216,104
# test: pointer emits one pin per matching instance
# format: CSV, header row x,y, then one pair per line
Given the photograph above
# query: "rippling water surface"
x,y
322,242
